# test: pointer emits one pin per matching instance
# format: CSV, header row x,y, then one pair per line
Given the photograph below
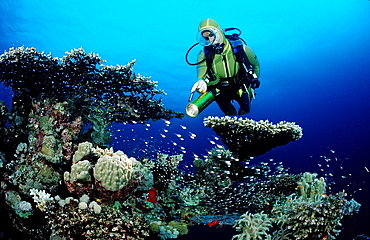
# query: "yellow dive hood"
x,y
209,23
212,24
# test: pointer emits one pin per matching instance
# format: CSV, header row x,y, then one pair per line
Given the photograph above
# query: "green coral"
x,y
181,227
311,188
99,132
165,230
192,196
51,149
23,209
253,226
168,232
46,124
48,175
154,226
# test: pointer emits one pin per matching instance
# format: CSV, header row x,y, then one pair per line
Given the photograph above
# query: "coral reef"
x,y
60,179
246,137
120,197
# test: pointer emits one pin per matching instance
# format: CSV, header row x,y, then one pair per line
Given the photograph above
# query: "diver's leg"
x,y
245,103
224,103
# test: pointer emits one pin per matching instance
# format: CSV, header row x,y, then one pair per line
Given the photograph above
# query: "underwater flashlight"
x,y
199,104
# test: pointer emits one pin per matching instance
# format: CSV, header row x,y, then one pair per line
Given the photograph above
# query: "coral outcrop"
x,y
310,213
246,137
98,93
114,172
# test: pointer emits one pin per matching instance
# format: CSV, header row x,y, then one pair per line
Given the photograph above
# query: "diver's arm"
x,y
201,85
202,67
253,60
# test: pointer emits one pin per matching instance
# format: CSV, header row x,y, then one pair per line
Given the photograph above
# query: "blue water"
x,y
315,71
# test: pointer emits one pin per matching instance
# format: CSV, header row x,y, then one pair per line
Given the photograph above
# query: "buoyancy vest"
x,y
245,67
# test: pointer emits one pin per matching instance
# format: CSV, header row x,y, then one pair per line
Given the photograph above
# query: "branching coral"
x,y
311,188
246,137
304,219
275,189
253,226
310,213
191,196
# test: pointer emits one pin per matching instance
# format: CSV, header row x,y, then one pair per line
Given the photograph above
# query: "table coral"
x,y
247,137
98,93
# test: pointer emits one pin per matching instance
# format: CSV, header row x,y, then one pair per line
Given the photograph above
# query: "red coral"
x,y
79,188
213,223
152,195
40,136
123,193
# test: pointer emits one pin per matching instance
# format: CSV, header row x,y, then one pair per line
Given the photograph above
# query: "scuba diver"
x,y
227,70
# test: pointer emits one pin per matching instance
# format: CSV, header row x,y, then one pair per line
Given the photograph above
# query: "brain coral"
x,y
114,172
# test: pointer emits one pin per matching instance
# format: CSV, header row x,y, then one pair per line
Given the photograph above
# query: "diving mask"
x,y
208,36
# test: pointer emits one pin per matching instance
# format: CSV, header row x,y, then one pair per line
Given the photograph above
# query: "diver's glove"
x,y
255,83
199,86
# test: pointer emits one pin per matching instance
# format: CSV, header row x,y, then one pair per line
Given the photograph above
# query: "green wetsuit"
x,y
225,66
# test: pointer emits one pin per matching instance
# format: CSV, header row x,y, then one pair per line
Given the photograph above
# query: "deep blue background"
x,y
315,71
